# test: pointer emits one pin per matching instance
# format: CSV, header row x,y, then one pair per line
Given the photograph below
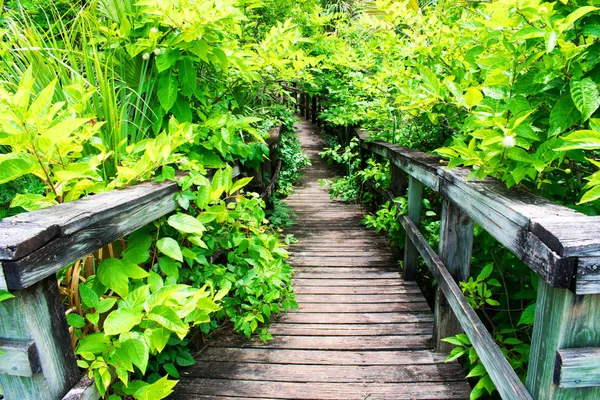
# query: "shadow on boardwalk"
x,y
360,332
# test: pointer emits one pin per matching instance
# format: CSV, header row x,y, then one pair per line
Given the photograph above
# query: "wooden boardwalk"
x,y
361,332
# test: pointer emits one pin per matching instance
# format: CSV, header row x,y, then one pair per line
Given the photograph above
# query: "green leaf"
x,y
575,15
185,359
158,338
137,351
5,295
42,103
186,224
528,315
168,266
478,370
187,76
240,183
15,166
167,90
485,272
167,317
120,321
518,154
591,195
105,304
95,343
563,115
75,320
171,370
158,390
181,110
584,140
473,97
586,97
456,353
111,274
168,246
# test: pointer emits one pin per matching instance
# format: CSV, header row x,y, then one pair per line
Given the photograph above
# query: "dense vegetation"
x,y
103,94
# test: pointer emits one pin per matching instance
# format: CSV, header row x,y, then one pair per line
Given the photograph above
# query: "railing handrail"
x,y
560,244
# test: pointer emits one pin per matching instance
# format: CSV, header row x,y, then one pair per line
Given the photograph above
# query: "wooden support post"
x,y
411,255
563,320
313,110
456,243
398,183
36,314
307,107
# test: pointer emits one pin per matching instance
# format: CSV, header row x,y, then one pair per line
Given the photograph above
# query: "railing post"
x,y
47,368
562,320
313,109
456,243
411,254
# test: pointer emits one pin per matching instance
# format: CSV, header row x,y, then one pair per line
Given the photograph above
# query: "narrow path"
x,y
360,332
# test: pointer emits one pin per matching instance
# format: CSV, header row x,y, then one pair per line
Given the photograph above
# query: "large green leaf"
x,y
167,90
94,343
563,115
168,246
120,321
111,274
591,195
584,140
137,351
187,76
585,96
168,318
181,110
158,390
16,166
186,224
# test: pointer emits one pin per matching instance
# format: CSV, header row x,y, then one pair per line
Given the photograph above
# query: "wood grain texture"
x,y
563,320
36,314
85,389
577,368
19,358
411,255
456,243
588,276
360,331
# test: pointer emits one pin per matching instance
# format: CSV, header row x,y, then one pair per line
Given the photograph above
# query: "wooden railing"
x,y
36,357
562,246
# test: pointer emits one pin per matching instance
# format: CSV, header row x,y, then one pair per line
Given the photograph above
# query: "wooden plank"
x,y
456,243
322,391
65,219
562,320
504,377
19,358
346,282
577,368
300,274
330,357
84,390
37,315
62,251
400,289
279,329
588,276
390,342
569,235
411,256
3,284
328,373
360,308
341,261
417,297
357,318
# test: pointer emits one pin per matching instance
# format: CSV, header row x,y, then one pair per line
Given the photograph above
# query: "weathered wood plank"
x,y
360,299
577,368
346,282
330,357
360,308
357,318
456,243
19,358
400,289
300,274
323,391
588,276
569,236
328,373
342,330
62,251
84,390
36,314
411,255
65,219
506,380
562,320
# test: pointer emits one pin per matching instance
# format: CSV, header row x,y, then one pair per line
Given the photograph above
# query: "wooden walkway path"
x,y
361,332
